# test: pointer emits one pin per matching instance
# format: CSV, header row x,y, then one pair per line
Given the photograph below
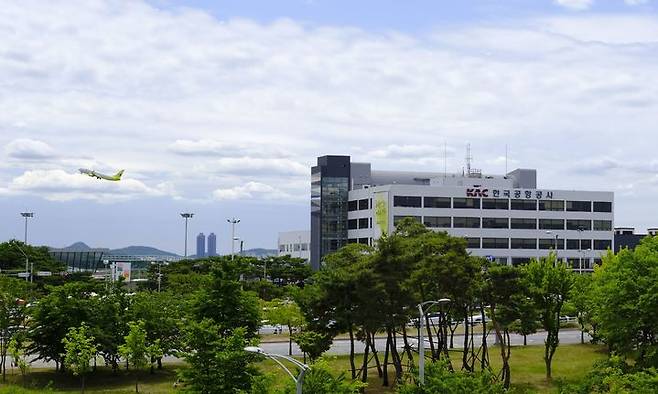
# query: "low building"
x,y
626,237
295,244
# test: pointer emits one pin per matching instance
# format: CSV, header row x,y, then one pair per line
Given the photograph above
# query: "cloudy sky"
x,y
220,107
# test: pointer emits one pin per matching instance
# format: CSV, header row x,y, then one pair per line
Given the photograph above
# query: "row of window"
x,y
293,247
500,203
353,224
585,263
358,205
365,241
514,223
534,243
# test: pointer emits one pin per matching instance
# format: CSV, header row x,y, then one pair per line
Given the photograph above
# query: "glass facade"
x,y
334,214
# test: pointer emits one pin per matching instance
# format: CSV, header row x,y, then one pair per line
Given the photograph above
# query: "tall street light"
x,y
556,245
27,261
421,338
233,222
26,215
186,216
580,254
299,379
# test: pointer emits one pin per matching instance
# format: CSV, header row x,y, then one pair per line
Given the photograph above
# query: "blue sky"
x,y
221,107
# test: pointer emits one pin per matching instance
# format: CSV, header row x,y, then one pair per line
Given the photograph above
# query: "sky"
x,y
220,107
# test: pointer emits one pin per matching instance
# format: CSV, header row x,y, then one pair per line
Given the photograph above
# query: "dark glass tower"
x,y
212,245
330,183
200,245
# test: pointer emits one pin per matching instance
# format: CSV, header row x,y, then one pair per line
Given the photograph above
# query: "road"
x,y
342,346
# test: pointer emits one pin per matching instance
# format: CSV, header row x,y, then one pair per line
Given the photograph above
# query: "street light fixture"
x,y
186,216
26,215
421,339
299,380
233,222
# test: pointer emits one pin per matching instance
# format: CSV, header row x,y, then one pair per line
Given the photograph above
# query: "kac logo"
x,y
477,192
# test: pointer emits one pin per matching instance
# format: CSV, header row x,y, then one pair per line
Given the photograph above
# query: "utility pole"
x,y
186,216
26,215
233,222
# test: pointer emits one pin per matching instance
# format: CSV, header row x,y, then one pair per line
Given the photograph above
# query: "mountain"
x,y
141,251
260,252
77,247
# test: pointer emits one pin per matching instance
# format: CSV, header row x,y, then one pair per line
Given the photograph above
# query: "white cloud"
x,y
29,149
636,2
251,190
577,5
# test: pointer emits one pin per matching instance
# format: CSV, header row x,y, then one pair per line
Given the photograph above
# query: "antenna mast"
x,y
471,172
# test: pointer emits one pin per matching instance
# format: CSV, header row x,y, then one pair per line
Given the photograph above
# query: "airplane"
x,y
94,174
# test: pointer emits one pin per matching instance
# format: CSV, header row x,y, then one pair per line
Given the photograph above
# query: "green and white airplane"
x,y
94,174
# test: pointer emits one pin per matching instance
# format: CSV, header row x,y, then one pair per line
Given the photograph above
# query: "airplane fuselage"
x,y
98,175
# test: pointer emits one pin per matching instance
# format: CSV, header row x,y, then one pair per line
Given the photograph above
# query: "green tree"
x,y
527,323
614,375
313,343
79,349
217,361
12,314
109,321
549,284
625,301
17,351
284,312
136,350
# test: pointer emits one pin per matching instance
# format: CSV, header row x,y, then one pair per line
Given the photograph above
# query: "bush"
x,y
439,379
615,376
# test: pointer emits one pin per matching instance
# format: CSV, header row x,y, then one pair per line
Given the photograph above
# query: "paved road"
x,y
342,346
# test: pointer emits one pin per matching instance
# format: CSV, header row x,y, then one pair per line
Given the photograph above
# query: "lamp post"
x,y
299,380
421,339
26,215
580,246
187,216
233,222
556,238
27,262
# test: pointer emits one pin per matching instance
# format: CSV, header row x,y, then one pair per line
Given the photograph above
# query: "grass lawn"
x,y
571,363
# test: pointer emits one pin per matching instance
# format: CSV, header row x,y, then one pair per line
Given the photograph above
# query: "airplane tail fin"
x,y
118,174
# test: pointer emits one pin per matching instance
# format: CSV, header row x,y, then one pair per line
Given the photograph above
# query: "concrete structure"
x,y
626,237
200,245
503,217
295,244
212,245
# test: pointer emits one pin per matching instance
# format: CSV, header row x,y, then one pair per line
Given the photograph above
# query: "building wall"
x,y
295,244
212,245
376,224
200,245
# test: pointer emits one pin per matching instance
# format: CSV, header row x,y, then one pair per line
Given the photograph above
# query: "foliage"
x,y
439,379
136,350
319,380
17,351
313,343
284,312
218,363
615,376
625,301
550,284
11,257
80,350
12,313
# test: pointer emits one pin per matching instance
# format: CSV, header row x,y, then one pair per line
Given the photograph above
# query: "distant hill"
x,y
141,251
77,247
260,252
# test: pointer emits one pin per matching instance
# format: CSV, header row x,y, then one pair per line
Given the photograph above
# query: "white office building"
x,y
295,244
506,218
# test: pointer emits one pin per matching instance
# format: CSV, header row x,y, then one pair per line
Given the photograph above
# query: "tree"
x,y
284,312
17,351
79,349
527,323
313,343
12,314
549,284
217,362
625,301
109,321
136,350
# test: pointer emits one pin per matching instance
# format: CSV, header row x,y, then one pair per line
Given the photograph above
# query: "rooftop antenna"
x,y
469,158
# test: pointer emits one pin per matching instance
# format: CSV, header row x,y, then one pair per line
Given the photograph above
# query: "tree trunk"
x,y
582,334
159,363
83,383
364,368
388,344
407,348
375,354
485,349
428,334
525,340
137,384
395,356
289,340
352,366
465,365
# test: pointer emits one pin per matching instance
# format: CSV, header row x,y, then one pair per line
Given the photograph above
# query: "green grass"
x,y
570,364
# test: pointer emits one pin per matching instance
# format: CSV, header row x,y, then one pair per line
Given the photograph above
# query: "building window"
x,y
363,223
551,224
495,203
603,225
352,205
363,241
473,203
577,224
602,244
521,260
495,243
472,243
602,206
352,224
436,221
282,248
407,201
396,219
363,204
549,243
304,246
465,222
437,202
579,206
586,244
495,223
523,243
523,223
551,205
351,240
579,244
524,205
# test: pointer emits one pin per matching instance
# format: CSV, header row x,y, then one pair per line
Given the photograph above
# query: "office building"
x,y
200,245
505,218
295,244
626,237
212,245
